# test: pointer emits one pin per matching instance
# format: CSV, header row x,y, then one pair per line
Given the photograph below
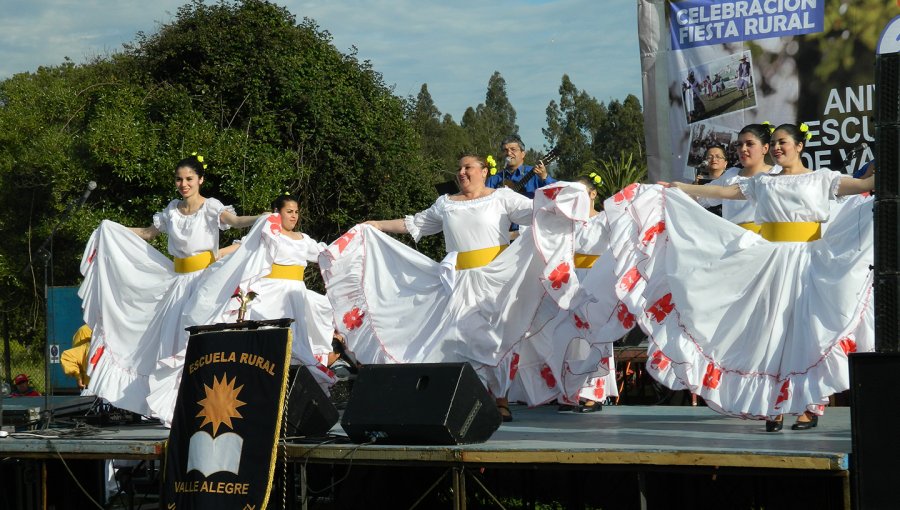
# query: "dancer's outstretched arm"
x,y
732,192
397,226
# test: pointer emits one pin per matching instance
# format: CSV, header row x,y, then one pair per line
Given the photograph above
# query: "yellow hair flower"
x,y
805,130
596,178
769,126
492,164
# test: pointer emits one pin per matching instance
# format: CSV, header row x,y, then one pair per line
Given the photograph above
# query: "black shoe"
x,y
806,425
774,425
590,407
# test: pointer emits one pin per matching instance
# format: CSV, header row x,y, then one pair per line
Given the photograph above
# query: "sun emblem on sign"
x,y
221,403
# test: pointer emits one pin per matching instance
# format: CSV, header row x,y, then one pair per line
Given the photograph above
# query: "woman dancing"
x,y
133,295
396,305
571,359
757,326
753,149
283,293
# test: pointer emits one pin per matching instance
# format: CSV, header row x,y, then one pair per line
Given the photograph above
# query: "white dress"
x,y
277,298
132,299
757,328
572,356
735,211
395,305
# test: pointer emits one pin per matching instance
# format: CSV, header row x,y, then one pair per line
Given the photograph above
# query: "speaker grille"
x,y
887,158
887,89
887,221
887,313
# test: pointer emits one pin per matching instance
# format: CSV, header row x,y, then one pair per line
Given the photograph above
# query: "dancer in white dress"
x,y
765,329
395,305
753,148
571,358
283,293
133,295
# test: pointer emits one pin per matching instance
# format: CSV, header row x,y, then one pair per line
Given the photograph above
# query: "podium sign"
x,y
223,444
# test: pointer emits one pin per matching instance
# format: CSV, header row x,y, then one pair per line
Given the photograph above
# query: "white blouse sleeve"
x,y
159,219
311,249
834,184
748,186
427,222
214,209
518,207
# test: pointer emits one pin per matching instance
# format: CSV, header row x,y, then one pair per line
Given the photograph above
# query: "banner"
x,y
710,67
223,444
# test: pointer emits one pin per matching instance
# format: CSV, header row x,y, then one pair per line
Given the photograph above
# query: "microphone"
x,y
703,164
856,150
852,154
91,186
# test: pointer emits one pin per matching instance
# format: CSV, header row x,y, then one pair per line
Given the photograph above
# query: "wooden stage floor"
x,y
655,435
642,448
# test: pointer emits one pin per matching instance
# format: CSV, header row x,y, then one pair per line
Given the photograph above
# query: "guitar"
x,y
519,185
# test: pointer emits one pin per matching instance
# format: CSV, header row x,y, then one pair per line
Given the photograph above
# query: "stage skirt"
x,y
756,328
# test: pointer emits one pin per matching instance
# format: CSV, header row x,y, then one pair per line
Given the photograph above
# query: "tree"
x,y
490,122
571,126
442,140
269,102
621,130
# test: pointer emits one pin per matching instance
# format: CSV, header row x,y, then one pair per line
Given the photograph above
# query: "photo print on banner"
x,y
721,65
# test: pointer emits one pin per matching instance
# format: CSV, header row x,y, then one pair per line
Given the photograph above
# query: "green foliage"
x,y
272,106
616,173
589,132
490,122
269,102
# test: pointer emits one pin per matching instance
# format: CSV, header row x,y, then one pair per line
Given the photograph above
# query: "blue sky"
x,y
454,47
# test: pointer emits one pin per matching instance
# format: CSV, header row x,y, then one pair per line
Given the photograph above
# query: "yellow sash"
x,y
194,262
281,272
585,261
478,258
791,231
751,226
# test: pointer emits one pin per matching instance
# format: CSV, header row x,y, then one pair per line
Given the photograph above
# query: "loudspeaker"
x,y
887,89
873,430
887,158
886,212
309,412
420,403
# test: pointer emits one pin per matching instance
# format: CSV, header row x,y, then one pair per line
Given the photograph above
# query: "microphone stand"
x,y
44,255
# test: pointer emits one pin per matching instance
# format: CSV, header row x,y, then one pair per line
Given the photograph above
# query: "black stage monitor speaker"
x,y
420,403
310,412
873,430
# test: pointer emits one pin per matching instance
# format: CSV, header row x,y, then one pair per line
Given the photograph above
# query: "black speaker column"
x,y
420,403
874,375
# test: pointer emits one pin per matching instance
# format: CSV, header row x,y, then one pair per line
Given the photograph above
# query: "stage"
x,y
620,457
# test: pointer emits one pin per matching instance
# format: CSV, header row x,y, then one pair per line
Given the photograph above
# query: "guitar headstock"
x,y
550,157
